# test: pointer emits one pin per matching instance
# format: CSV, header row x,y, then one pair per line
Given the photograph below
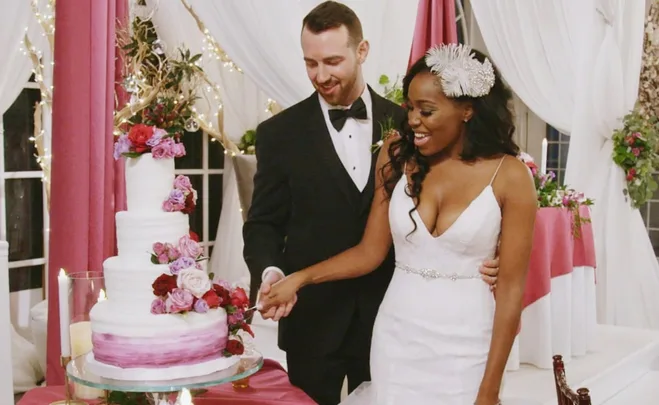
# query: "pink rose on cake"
x,y
189,248
182,197
179,300
158,306
195,281
143,138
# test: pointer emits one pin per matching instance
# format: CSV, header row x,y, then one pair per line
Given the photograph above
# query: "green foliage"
x,y
392,91
635,151
248,142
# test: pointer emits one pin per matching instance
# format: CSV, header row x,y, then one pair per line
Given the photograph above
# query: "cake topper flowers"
x,y
143,138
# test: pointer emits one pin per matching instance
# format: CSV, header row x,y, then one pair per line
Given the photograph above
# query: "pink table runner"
x,y
270,386
555,251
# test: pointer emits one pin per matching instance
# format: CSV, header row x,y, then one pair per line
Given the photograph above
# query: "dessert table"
x,y
269,386
559,315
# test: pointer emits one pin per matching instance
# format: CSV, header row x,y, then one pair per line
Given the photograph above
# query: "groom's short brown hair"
x,y
331,14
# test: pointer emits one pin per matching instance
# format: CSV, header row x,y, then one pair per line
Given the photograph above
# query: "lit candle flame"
x,y
102,296
62,273
184,398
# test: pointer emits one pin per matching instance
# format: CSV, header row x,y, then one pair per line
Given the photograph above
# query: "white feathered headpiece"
x,y
459,70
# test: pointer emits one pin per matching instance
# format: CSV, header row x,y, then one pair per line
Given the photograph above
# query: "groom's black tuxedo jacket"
x,y
305,209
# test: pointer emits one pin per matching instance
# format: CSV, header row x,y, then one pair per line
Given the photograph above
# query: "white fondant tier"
x,y
106,317
161,374
137,232
128,283
148,182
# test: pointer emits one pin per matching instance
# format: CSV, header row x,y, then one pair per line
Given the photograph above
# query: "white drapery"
x,y
580,74
271,55
15,21
244,107
272,62
607,88
534,45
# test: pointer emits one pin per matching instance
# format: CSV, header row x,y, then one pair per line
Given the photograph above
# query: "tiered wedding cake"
x,y
163,317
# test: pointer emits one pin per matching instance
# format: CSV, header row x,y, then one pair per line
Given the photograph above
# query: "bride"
x,y
449,190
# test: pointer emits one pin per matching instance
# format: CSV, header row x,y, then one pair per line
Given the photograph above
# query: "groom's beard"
x,y
336,92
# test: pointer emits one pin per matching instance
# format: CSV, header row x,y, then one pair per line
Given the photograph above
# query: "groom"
x,y
312,194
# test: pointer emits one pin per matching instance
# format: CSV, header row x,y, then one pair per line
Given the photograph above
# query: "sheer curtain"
x,y
15,21
271,55
607,88
244,107
535,44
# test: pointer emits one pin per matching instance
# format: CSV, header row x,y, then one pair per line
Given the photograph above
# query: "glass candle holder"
x,y
86,289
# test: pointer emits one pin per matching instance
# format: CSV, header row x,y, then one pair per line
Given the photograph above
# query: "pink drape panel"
x,y
83,170
435,24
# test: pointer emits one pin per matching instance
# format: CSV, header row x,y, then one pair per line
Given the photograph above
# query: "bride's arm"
x,y
356,261
519,207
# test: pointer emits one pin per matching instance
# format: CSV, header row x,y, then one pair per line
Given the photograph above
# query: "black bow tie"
x,y
338,117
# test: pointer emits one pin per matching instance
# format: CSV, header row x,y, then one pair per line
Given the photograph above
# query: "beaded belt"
x,y
432,274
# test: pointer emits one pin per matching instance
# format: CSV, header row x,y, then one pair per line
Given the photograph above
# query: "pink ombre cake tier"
x,y
139,345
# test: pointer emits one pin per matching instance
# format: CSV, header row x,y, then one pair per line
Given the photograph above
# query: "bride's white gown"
x,y
432,334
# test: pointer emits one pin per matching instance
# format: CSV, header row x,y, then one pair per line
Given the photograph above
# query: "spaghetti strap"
x,y
497,170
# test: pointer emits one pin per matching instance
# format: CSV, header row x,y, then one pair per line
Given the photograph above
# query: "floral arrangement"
x,y
189,288
182,197
636,143
635,151
552,194
247,143
162,91
142,138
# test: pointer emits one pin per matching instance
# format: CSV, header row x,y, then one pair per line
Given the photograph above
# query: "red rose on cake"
x,y
211,299
239,298
223,294
163,285
139,135
235,347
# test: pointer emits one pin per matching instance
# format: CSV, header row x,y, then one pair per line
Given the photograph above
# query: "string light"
x,y
47,22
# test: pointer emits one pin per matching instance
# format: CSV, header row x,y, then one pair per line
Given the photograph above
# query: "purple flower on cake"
x,y
176,197
179,300
189,248
158,306
201,306
236,317
157,137
181,263
121,146
195,281
182,198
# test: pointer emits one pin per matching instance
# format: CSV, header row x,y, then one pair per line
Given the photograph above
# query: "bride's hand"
x,y
283,292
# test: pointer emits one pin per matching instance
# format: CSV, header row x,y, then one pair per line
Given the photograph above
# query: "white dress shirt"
x,y
353,146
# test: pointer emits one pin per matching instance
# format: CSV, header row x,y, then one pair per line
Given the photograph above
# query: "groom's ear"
x,y
362,51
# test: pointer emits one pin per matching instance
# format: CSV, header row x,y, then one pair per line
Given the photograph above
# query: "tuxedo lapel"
x,y
379,118
324,148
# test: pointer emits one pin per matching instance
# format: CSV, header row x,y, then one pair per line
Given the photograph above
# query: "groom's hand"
x,y
490,271
278,312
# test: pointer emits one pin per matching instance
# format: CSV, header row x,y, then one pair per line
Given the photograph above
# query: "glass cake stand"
x,y
79,372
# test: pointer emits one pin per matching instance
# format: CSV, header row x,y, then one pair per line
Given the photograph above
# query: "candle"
x,y
543,157
184,398
63,282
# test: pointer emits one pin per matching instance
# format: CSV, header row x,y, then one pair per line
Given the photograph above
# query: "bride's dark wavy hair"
x,y
489,133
